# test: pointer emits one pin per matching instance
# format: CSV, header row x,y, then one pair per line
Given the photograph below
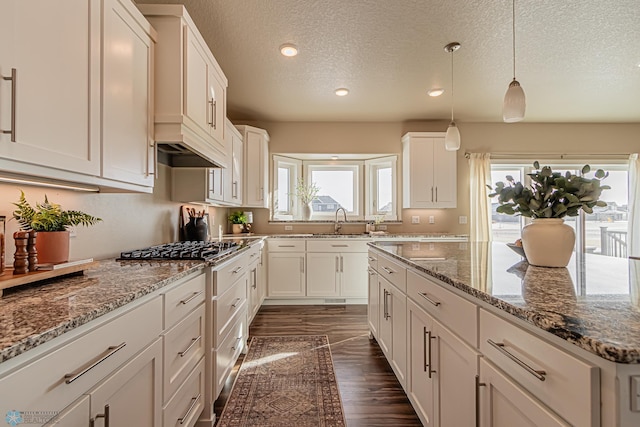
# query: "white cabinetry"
x,y
336,268
373,306
190,87
255,289
393,333
256,167
287,266
85,117
428,171
232,176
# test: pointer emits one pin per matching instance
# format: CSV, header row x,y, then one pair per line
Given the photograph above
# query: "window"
x,y
365,187
602,232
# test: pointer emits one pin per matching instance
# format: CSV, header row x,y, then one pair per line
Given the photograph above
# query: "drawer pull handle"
x,y
424,295
536,373
339,246
236,343
237,270
372,259
478,385
106,417
286,246
194,400
235,303
388,270
371,271
387,316
108,353
191,298
194,341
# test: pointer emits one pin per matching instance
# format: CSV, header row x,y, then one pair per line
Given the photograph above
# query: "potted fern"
x,y
547,241
51,223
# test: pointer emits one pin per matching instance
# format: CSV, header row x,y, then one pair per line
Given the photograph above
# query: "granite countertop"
x,y
34,314
594,303
374,235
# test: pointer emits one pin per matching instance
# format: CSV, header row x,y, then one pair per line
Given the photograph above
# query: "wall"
x,y
130,221
374,138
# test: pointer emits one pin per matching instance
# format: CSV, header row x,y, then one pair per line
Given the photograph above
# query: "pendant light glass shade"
x,y
452,138
514,100
514,103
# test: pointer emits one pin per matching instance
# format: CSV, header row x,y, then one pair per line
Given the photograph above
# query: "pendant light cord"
x,y
452,84
513,28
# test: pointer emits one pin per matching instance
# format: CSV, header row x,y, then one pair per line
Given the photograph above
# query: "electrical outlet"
x,y
381,227
462,219
415,219
73,232
288,227
432,219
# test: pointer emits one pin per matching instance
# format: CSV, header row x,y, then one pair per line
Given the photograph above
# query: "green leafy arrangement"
x,y
48,216
552,194
237,217
306,192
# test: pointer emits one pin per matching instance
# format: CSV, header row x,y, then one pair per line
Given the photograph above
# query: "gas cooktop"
x,y
194,250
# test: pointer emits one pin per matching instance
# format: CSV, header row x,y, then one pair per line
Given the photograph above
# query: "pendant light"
x,y
452,138
514,100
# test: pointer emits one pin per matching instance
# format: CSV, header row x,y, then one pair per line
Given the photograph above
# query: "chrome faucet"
x,y
338,225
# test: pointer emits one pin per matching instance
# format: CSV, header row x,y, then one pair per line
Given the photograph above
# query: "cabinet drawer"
x,y
337,245
184,346
392,271
226,307
286,245
228,352
253,253
373,260
184,408
226,275
183,299
58,378
568,385
458,314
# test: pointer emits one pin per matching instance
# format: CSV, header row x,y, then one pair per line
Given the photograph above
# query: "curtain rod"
x,y
560,156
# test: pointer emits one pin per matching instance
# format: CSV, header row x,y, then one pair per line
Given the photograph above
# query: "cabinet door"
x,y
373,307
217,102
286,275
54,49
323,271
505,404
456,370
354,281
398,312
131,396
74,415
237,165
127,103
252,292
257,169
419,174
196,103
444,175
421,387
214,186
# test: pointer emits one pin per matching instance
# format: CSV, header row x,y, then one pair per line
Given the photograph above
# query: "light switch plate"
x,y
432,219
415,219
462,219
288,227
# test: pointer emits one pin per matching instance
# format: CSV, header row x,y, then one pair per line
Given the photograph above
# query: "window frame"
x,y
371,190
295,170
357,167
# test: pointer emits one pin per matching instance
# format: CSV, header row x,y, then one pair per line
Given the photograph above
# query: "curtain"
x,y
480,209
633,230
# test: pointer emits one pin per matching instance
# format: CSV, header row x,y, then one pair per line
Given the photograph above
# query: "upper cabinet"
x,y
428,171
50,90
190,87
256,166
232,176
76,105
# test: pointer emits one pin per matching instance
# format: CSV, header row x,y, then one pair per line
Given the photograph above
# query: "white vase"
x,y
548,242
307,211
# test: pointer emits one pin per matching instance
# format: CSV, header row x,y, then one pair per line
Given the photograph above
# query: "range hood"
x,y
178,154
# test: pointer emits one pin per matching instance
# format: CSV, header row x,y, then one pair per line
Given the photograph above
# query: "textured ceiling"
x,y
577,60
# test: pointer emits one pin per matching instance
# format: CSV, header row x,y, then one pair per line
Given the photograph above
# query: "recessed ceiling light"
x,y
343,91
289,49
435,91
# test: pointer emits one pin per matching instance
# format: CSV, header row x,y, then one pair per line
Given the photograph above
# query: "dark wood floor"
x,y
370,392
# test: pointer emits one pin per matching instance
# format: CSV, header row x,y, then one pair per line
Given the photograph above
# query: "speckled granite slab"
x,y
594,304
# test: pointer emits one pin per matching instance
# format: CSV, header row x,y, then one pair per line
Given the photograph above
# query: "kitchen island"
x,y
564,342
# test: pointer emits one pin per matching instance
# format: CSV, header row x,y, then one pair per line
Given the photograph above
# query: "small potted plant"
x,y
238,220
547,241
306,193
51,223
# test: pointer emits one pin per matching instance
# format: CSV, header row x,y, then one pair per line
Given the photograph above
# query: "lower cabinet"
x,y
373,307
76,414
287,274
392,335
131,396
503,403
442,371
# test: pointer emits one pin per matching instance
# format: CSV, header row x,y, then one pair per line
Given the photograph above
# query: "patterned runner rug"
x,y
285,381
